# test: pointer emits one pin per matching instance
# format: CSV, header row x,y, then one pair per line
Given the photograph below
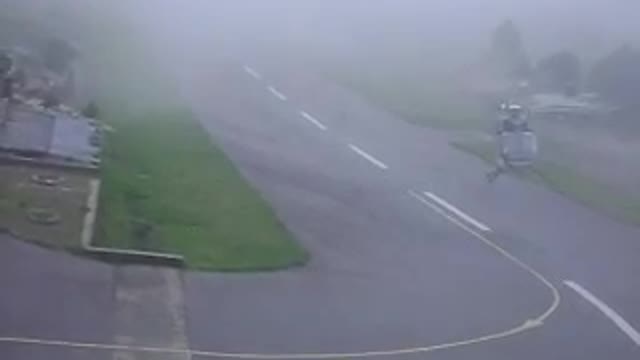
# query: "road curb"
x,y
50,163
114,255
122,256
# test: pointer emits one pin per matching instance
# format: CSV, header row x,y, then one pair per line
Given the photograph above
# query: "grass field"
x,y
423,102
167,188
568,182
417,83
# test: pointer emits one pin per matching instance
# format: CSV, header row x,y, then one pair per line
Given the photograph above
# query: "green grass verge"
x,y
421,106
167,188
568,182
415,93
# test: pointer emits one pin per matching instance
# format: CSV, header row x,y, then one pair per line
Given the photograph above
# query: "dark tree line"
x,y
560,72
616,77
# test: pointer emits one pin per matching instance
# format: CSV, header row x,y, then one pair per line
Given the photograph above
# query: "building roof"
x,y
50,134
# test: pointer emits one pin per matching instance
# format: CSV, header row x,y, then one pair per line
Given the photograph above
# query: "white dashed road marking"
x,y
313,120
277,93
368,157
440,201
481,236
253,73
515,330
620,322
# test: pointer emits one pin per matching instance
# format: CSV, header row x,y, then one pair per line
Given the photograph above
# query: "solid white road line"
x,y
252,72
525,326
313,120
457,211
368,157
607,311
480,236
277,93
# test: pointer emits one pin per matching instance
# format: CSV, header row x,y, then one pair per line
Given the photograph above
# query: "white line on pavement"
x,y
277,93
252,72
480,236
369,158
313,120
525,326
457,211
607,311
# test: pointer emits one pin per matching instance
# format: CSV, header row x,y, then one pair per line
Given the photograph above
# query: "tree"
x,y
560,72
58,55
91,110
6,63
508,51
507,39
617,76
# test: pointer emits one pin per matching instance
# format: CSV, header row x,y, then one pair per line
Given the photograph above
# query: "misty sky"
x,y
440,31
585,26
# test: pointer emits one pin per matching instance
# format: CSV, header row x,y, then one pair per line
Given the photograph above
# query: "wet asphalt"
x,y
388,273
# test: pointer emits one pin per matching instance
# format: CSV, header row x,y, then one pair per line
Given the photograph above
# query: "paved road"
x,y
389,270
49,295
412,251
52,295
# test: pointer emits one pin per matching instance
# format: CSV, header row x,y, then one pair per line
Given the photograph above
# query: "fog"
x,y
431,31
361,28
371,36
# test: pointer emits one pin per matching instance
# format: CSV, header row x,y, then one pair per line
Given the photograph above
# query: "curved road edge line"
x,y
256,356
525,326
548,284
